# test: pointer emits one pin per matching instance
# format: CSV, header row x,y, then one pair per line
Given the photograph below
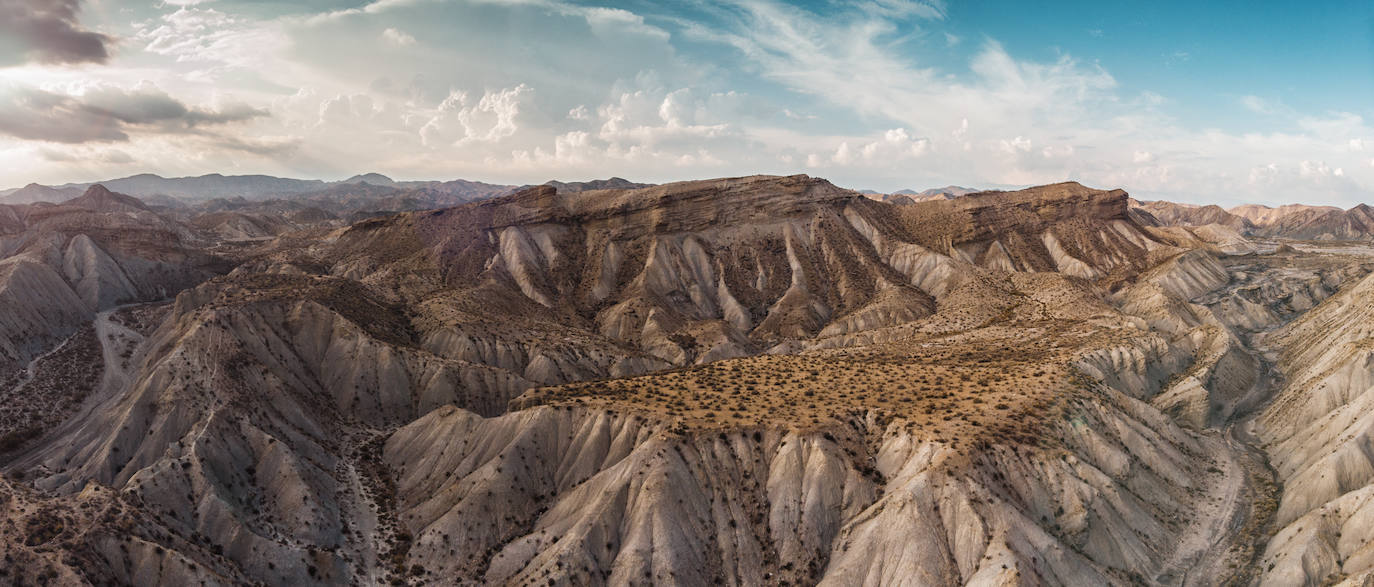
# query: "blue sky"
x,y
1201,102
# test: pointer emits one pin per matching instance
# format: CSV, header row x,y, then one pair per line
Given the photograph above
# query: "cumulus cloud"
x,y
653,117
47,31
491,119
1019,144
397,37
105,114
1318,169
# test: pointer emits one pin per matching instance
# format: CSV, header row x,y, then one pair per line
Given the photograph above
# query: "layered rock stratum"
x,y
756,381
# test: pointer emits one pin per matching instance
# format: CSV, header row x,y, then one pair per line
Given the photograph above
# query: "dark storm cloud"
x,y
105,114
47,31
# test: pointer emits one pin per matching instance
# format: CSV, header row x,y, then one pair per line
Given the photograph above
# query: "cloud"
x,y
868,93
105,114
85,155
47,31
491,119
1318,169
1257,105
397,37
649,118
903,9
1016,145
598,17
208,36
263,146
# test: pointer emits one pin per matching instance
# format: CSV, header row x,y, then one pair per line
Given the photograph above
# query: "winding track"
x,y
113,379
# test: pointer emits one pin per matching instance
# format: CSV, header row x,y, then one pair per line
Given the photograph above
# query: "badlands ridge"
x,y
753,381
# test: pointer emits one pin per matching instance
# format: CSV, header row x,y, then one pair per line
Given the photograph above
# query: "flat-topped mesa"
x,y
1059,202
1062,227
989,214
676,207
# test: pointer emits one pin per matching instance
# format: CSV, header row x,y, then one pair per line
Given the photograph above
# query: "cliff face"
x,y
1063,227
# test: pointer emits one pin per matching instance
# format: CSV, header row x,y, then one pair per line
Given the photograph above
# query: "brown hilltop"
x,y
100,199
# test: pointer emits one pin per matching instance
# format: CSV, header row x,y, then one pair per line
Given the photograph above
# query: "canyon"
x,y
755,381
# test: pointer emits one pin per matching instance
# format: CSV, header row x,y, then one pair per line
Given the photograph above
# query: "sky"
x,y
1208,102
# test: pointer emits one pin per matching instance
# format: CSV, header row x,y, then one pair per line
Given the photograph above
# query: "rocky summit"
x,y
747,381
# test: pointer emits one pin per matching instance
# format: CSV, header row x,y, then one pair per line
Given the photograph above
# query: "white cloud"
x,y
1057,151
1316,169
397,37
1257,105
904,8
491,119
1016,145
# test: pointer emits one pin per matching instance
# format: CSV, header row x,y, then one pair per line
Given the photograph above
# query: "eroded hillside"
x,y
762,380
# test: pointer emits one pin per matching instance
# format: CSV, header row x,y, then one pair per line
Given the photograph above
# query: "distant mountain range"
x,y
1297,221
948,192
614,183
902,197
168,191
38,193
